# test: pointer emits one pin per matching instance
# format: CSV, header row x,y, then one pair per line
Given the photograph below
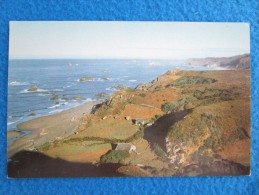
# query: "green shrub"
x,y
191,80
142,95
138,135
177,133
213,94
190,99
171,106
44,147
200,130
186,91
168,107
158,88
158,150
198,94
114,156
209,143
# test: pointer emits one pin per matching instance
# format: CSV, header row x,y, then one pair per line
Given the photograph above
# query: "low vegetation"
x,y
114,156
169,107
44,147
223,94
190,80
142,95
158,150
172,106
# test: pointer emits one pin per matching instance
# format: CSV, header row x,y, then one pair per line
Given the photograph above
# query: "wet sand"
x,y
12,134
48,128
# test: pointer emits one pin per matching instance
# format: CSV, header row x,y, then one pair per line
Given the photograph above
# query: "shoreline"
x,y
50,127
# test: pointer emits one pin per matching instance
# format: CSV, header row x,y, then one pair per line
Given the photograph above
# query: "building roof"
x,y
123,146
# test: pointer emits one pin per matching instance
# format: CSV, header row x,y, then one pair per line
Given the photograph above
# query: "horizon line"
x,y
120,58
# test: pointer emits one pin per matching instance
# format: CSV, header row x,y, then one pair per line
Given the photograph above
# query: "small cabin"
x,y
125,146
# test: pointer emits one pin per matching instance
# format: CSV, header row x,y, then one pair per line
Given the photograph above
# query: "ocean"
x,y
61,79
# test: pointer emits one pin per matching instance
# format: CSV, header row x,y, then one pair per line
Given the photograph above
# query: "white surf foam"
x,y
132,80
111,89
57,90
55,106
10,123
37,91
56,111
44,94
16,83
89,100
13,122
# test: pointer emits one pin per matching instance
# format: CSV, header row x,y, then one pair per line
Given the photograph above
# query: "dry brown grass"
x,y
216,124
87,151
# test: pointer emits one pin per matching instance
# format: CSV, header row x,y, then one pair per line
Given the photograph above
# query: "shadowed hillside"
x,y
27,164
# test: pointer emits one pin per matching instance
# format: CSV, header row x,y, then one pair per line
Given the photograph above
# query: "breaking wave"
x,y
56,111
16,83
55,106
111,89
132,81
36,91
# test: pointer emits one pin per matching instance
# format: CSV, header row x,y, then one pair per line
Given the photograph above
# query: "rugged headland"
x,y
235,62
183,123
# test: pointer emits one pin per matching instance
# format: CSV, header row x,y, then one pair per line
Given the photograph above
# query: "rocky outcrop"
x,y
78,98
33,88
102,95
120,88
160,81
54,98
144,86
176,153
117,100
84,79
31,114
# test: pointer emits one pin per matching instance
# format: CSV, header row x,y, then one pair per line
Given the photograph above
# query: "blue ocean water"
x,y
61,78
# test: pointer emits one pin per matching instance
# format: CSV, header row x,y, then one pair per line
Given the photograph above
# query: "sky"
x,y
126,40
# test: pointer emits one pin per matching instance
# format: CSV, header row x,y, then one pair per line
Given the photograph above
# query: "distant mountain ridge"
x,y
234,62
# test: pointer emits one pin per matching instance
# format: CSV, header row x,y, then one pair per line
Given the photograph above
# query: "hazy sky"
x,y
150,40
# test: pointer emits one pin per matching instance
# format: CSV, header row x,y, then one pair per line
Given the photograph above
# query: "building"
x,y
125,146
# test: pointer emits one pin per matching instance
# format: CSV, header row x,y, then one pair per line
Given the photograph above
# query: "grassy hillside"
x,y
196,123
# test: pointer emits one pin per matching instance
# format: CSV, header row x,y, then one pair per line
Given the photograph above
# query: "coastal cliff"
x,y
235,62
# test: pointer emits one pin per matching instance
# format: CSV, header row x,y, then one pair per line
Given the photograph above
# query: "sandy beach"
x,y
50,127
